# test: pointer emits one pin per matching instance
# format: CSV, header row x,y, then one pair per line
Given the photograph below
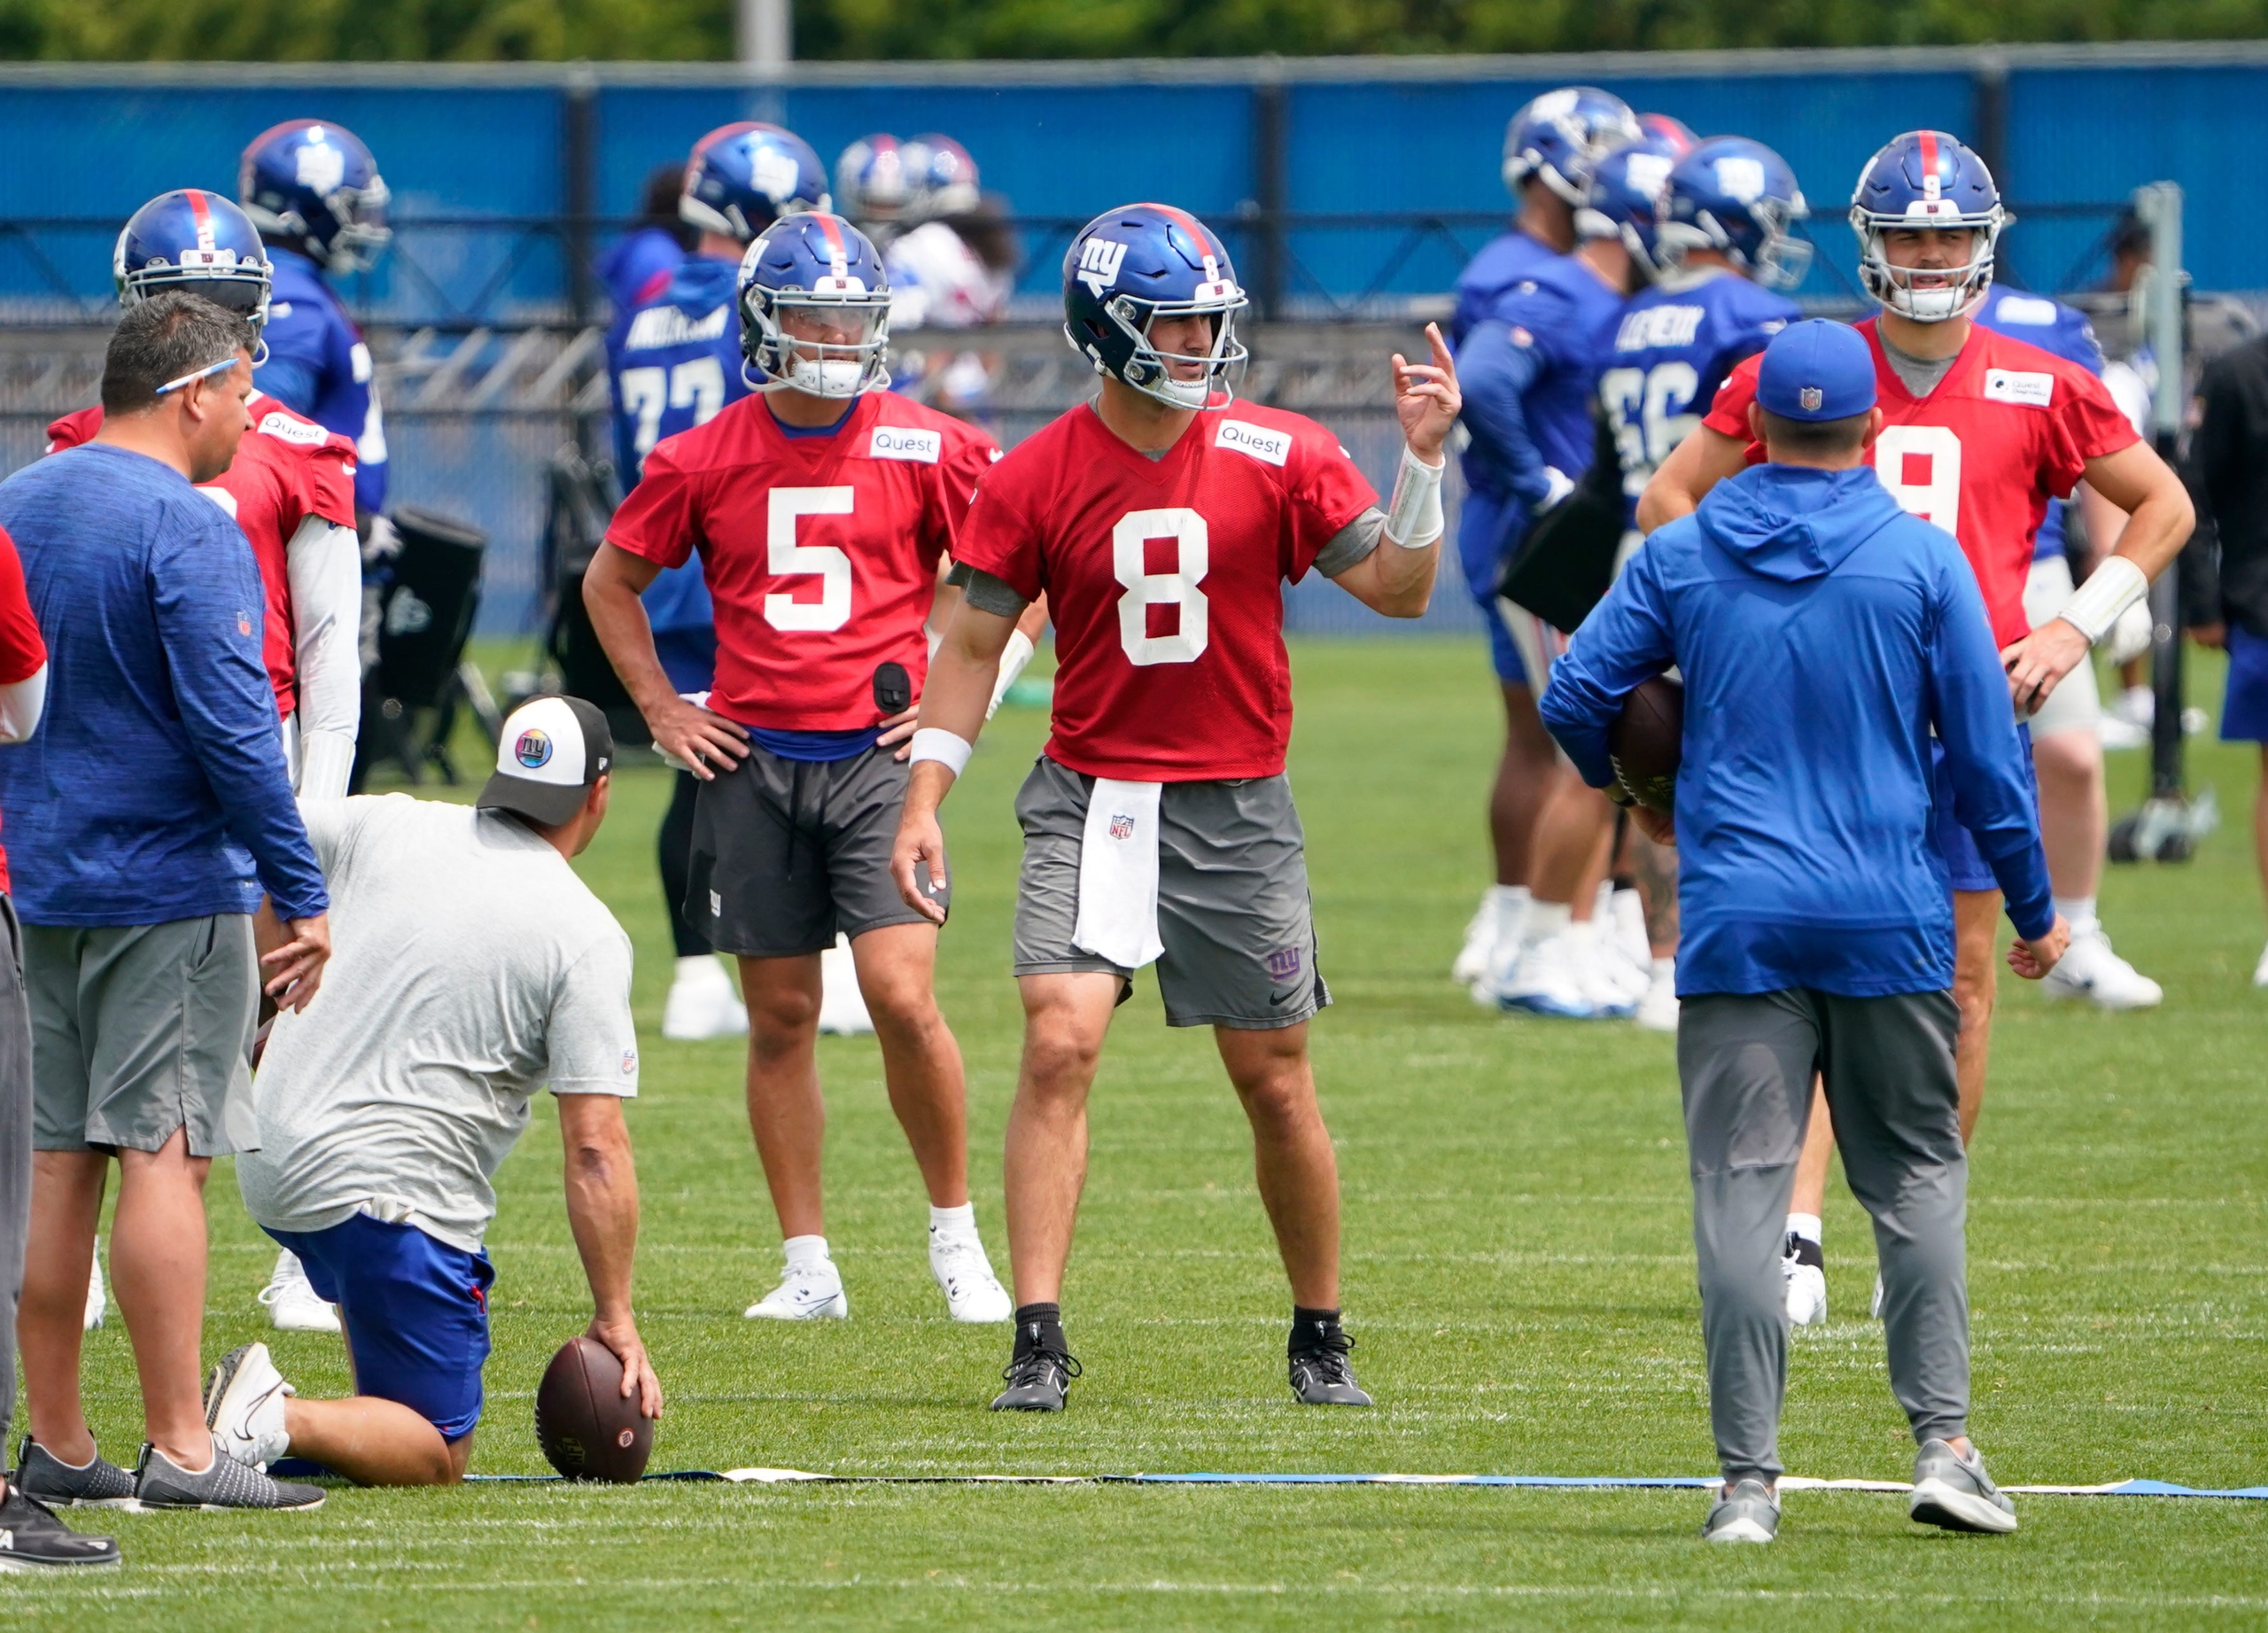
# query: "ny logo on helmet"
x,y
1099,259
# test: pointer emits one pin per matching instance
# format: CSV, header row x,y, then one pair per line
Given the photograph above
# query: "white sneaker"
x,y
1480,939
702,1003
2090,969
2260,970
1806,1287
2115,734
805,1293
1512,903
1549,980
973,1293
293,1303
98,1296
1607,979
1657,1011
2137,705
244,1407
842,1007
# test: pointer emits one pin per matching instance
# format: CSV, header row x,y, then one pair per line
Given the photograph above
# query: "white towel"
x,y
1118,874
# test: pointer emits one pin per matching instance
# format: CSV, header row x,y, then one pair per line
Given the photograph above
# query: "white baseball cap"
x,y
552,750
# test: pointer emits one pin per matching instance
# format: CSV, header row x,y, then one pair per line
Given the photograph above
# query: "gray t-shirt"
x,y
469,967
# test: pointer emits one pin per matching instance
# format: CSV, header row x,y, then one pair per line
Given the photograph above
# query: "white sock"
x,y
947,1223
2078,911
806,1252
1666,967
1805,1225
1545,920
700,967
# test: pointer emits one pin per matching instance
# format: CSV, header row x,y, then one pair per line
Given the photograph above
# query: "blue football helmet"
x,y
316,188
1739,198
193,240
1561,134
1670,128
1925,178
744,177
814,269
1624,199
871,183
943,178
1133,265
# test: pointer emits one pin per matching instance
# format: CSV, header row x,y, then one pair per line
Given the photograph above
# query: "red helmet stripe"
x,y
1188,223
1929,152
202,214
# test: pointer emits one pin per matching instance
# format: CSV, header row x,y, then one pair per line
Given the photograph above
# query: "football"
x,y
587,1428
1646,741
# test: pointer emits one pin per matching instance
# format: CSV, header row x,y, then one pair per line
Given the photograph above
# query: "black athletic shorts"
x,y
787,853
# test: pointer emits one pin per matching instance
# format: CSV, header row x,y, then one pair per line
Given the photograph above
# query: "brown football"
x,y
585,1425
1646,741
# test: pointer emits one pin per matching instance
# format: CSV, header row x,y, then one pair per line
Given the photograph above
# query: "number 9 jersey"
x,y
1164,578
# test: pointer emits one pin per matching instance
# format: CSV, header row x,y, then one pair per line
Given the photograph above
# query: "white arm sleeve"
x,y
20,705
324,565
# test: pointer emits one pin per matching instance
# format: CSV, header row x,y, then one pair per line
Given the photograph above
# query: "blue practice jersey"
x,y
1502,261
1673,347
2052,327
674,360
636,259
318,368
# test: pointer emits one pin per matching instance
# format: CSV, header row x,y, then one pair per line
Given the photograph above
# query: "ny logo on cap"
x,y
1811,397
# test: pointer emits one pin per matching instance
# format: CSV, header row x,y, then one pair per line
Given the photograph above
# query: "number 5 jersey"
x,y
1164,578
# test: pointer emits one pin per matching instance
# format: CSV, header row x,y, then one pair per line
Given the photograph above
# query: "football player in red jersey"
x,y
1162,521
1981,431
291,490
820,506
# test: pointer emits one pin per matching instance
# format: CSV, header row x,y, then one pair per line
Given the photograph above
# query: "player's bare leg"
x,y
375,1442
158,1267
1975,987
1805,1264
1527,772
2073,817
66,1203
1297,1171
788,1118
1045,1164
1560,970
1653,869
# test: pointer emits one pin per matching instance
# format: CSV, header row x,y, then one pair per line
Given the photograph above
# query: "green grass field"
x,y
1519,1278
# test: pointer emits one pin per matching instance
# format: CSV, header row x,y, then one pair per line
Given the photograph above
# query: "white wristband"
x,y
2112,587
948,750
1014,656
1413,520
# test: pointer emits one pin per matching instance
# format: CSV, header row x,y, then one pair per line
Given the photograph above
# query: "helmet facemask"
x,y
1150,371
237,285
1950,291
850,360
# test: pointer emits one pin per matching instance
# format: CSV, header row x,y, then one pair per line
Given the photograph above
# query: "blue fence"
x,y
1347,178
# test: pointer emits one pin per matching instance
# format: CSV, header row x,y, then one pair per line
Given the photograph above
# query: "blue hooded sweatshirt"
x,y
1823,633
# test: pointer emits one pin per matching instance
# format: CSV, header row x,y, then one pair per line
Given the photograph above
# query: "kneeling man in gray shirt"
x,y
472,969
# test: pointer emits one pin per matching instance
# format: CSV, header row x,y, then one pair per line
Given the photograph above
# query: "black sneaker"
x,y
159,1483
100,1484
1037,1381
32,1538
1321,1375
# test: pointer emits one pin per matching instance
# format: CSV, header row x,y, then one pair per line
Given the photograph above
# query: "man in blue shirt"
x,y
147,818
1824,636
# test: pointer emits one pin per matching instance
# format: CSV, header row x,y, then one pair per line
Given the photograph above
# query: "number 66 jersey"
x,y
1165,577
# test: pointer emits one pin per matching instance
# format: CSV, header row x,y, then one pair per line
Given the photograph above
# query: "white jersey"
x,y
937,282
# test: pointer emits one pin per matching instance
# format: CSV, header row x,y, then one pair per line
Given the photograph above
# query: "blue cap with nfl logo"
x,y
1816,370
551,752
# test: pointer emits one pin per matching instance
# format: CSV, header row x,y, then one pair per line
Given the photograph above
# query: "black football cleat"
x,y
32,1538
1037,1381
1321,1375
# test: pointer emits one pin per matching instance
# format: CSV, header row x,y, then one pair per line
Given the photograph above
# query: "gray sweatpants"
x,y
1745,1063
15,1143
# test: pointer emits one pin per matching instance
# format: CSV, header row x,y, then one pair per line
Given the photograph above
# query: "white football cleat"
x,y
1806,1283
293,1305
1609,980
1549,980
702,1003
98,1296
1657,1011
842,1007
2091,970
805,1293
973,1293
2260,970
1481,932
244,1407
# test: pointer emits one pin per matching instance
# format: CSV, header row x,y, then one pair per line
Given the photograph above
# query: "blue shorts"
x,y
1478,531
1964,862
2244,706
416,1314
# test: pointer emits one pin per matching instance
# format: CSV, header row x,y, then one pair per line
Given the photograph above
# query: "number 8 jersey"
x,y
819,549
2011,427
1164,578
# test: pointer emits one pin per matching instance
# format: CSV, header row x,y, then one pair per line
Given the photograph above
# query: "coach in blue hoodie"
x,y
1823,636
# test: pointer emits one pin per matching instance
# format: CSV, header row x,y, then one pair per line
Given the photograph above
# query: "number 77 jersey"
x,y
1164,578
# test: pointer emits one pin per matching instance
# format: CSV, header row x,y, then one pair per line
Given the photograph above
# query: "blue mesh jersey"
x,y
1502,261
2052,327
1673,347
673,359
318,368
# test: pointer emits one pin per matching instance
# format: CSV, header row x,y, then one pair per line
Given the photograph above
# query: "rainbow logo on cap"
x,y
533,749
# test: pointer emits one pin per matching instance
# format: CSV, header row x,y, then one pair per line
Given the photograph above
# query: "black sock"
x,y
1312,1329
1040,1327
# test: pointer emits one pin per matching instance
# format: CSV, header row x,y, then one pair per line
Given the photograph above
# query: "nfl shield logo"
x,y
1121,828
1812,396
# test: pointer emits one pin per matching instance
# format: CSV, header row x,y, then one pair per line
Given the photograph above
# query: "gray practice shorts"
x,y
787,853
141,1029
1232,898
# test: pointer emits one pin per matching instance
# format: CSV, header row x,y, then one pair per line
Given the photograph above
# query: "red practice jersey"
x,y
1165,579
2008,429
21,649
820,552
287,469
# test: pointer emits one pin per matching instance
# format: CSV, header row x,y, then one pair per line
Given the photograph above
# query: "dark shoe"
x,y
226,1484
43,1474
32,1538
1321,1374
1037,1381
